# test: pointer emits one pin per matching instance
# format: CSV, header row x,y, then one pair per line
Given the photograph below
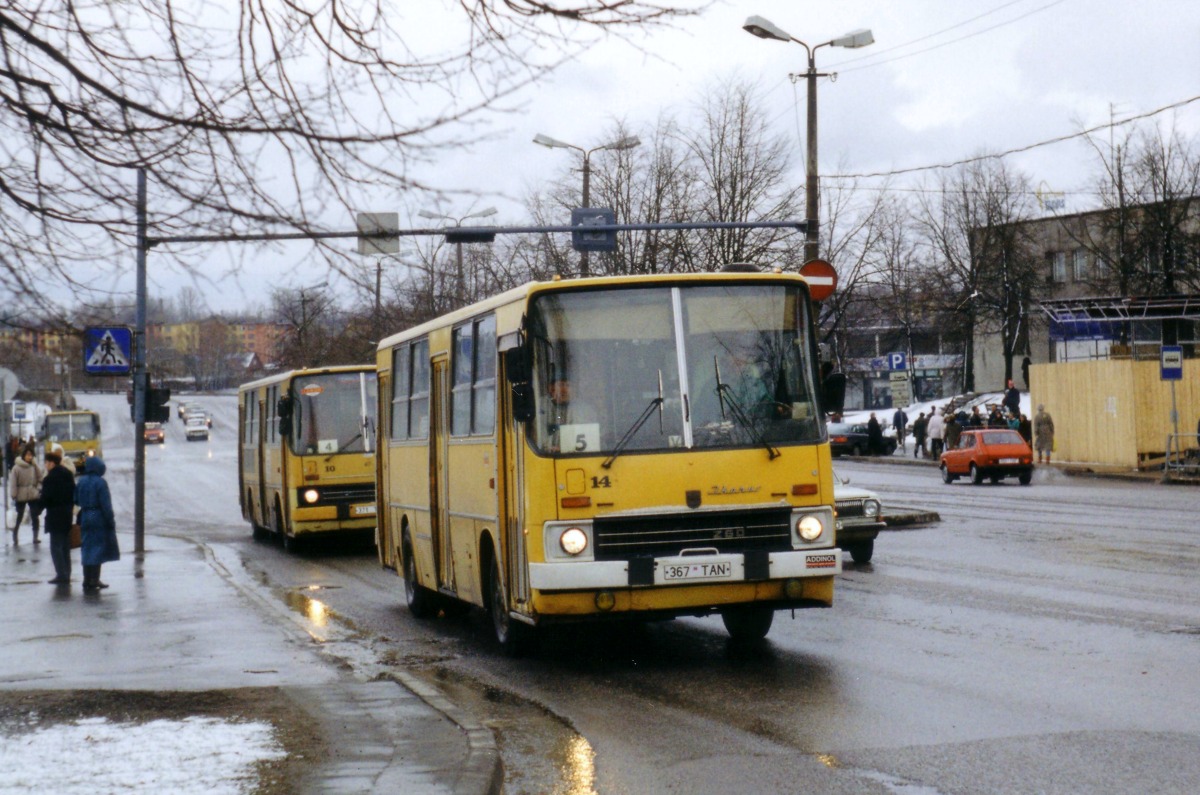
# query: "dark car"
x,y
851,439
992,453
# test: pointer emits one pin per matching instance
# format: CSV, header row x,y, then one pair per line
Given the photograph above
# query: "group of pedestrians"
x,y
56,492
941,430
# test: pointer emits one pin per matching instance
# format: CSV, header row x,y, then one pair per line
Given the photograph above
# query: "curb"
x,y
481,773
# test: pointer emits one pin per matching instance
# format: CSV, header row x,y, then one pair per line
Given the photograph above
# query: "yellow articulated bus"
x,y
635,447
306,459
77,431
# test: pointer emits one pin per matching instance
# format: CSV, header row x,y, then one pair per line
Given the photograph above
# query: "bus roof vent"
x,y
741,267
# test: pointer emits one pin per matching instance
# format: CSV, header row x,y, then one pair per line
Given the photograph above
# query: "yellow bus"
x,y
77,431
306,457
634,447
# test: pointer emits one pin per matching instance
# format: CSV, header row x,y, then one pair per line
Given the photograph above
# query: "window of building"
x,y
1079,265
1058,266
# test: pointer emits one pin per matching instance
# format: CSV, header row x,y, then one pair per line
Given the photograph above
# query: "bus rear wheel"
x,y
513,637
747,622
420,600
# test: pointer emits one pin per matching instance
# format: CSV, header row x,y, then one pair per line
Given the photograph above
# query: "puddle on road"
x,y
542,752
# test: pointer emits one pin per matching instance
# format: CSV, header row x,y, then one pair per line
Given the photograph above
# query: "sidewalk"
x,y
192,640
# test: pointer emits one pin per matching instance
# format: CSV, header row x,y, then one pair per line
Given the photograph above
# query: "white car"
x,y
859,520
196,429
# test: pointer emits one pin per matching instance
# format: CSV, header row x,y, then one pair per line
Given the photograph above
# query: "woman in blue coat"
x,y
96,519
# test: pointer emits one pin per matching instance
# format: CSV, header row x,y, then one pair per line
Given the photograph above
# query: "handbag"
x,y
75,535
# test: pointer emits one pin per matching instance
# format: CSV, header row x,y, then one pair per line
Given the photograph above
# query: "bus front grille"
x,y
342,495
664,535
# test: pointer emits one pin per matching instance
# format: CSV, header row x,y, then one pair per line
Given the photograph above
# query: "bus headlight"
x,y
809,527
573,541
311,496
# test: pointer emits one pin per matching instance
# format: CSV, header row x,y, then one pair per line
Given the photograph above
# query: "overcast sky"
x,y
945,80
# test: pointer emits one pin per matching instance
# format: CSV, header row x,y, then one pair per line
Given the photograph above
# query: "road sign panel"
x,y
898,361
1171,363
821,278
107,350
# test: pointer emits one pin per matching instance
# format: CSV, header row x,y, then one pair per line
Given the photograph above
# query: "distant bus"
x,y
77,431
624,447
306,457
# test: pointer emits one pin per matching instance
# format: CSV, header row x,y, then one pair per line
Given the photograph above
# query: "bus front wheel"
x,y
747,622
420,600
514,637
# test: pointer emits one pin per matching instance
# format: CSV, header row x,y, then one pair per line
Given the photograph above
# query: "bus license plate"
x,y
364,510
697,571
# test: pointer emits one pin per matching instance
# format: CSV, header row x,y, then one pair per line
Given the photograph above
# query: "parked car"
x,y
154,433
859,520
851,439
993,453
196,429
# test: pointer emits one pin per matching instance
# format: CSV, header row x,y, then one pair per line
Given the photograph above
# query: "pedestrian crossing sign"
x,y
107,350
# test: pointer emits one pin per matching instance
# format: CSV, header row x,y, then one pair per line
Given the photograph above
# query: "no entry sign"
x,y
821,278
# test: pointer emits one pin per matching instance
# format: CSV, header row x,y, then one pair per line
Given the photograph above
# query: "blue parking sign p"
x,y
897,361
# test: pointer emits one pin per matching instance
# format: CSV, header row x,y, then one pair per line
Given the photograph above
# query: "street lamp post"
x,y
461,287
553,143
764,29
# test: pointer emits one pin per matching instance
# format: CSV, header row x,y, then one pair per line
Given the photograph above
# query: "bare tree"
x,y
969,224
247,115
1145,238
742,174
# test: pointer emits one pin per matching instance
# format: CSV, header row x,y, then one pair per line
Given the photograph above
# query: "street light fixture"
x,y
627,142
461,287
765,29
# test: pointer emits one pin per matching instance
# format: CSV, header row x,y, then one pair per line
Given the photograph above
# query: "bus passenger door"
x,y
439,490
260,463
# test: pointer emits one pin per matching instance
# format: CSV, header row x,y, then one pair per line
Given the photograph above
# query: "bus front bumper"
x,y
687,570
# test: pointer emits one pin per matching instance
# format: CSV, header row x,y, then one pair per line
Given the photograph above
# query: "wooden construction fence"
x,y
1114,413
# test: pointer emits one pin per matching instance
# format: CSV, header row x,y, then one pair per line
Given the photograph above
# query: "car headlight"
x,y
809,527
311,496
573,541
872,508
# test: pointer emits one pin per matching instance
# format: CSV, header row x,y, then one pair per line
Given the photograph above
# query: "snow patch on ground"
x,y
193,756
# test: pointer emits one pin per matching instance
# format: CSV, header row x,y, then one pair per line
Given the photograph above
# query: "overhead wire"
x,y
1019,149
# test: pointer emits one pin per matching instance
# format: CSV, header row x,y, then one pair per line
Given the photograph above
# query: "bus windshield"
x,y
707,366
82,427
334,413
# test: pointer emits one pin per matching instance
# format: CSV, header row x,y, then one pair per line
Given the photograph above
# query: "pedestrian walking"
x,y
58,498
1043,434
1025,428
1012,399
937,430
25,487
920,428
952,432
96,519
900,423
874,436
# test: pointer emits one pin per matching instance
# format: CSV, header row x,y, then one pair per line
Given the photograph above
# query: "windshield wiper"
x,y
723,394
656,403
345,445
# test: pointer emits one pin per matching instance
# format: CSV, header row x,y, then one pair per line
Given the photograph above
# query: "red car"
x,y
993,453
154,433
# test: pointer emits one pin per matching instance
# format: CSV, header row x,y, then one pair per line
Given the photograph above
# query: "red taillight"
x,y
839,439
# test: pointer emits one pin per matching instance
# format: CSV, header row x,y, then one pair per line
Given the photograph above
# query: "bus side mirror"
x,y
833,393
516,369
284,409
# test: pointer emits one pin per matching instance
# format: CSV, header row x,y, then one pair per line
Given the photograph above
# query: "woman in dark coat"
x,y
58,498
96,519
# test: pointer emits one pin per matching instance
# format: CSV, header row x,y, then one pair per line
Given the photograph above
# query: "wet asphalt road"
x,y
1038,639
